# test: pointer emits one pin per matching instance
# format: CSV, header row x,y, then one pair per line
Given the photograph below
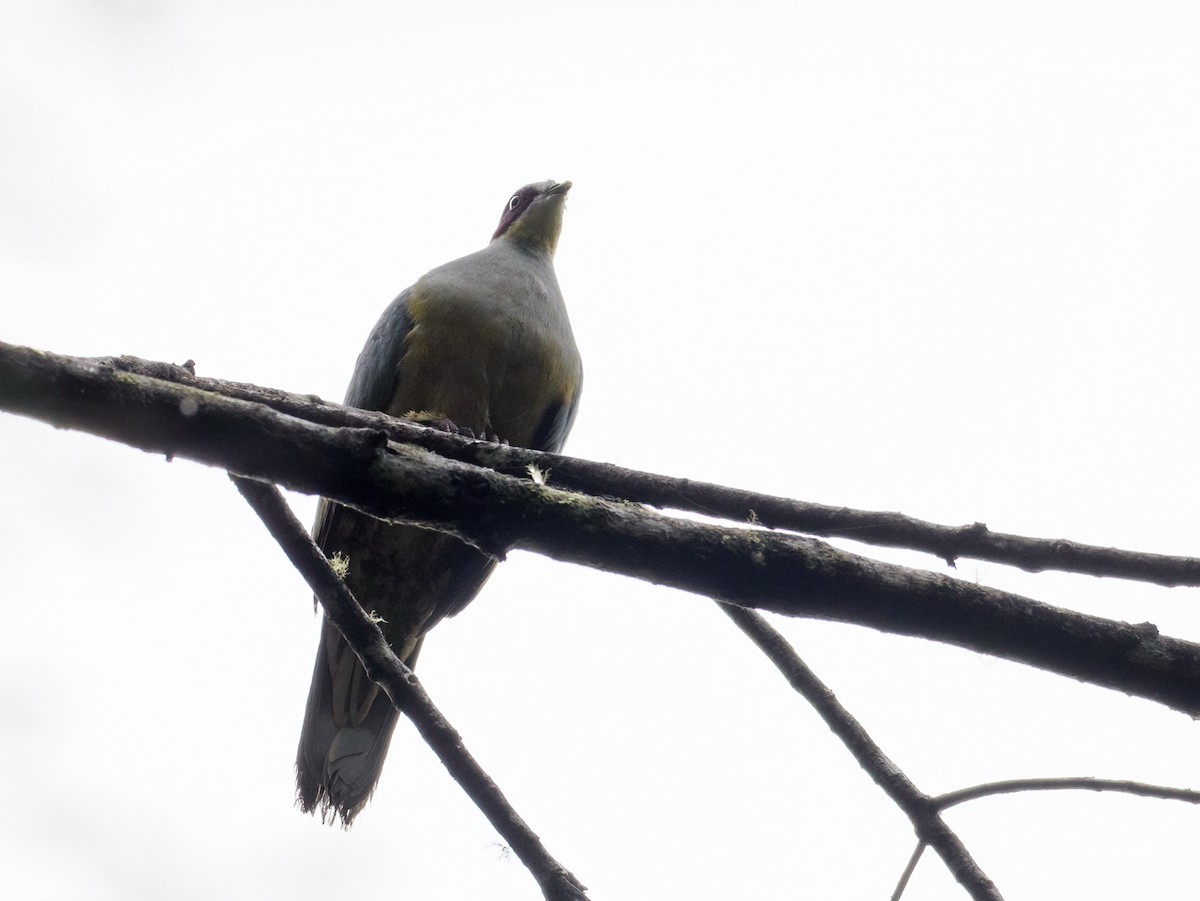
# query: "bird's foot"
x,y
443,423
436,421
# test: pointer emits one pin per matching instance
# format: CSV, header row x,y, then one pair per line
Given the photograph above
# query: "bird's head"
x,y
533,216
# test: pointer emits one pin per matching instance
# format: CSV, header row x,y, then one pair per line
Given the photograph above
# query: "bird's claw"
x,y
443,423
438,421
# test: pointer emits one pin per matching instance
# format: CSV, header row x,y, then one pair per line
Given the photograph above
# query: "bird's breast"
x,y
490,355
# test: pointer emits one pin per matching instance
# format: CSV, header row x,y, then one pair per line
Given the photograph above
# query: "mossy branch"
x,y
748,567
886,529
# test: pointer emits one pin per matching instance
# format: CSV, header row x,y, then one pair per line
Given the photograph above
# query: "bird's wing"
x,y
460,569
371,385
556,422
374,379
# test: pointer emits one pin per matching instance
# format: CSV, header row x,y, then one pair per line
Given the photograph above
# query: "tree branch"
x,y
405,690
789,574
949,799
1077,783
665,492
909,869
919,807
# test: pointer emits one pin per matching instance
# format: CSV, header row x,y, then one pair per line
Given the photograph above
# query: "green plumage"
x,y
484,342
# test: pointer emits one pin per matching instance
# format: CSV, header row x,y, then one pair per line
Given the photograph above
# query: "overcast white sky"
x,y
932,257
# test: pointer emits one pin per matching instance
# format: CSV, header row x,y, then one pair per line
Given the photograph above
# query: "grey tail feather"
x,y
337,768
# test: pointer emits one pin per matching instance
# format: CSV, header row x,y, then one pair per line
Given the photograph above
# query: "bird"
x,y
481,345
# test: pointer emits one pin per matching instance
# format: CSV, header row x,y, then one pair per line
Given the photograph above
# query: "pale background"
x,y
932,257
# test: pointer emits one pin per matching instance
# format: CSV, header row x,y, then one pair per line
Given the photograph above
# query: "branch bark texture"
x,y
886,529
405,691
789,574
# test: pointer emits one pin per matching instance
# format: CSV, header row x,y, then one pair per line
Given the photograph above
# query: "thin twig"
x,y
909,870
917,805
876,527
1076,783
786,573
404,689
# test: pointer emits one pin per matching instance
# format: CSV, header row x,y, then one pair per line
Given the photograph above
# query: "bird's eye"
x,y
512,203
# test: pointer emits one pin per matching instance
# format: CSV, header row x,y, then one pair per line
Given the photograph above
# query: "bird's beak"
x,y
561,187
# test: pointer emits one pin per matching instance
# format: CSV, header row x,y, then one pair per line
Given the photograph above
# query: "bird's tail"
x,y
348,725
